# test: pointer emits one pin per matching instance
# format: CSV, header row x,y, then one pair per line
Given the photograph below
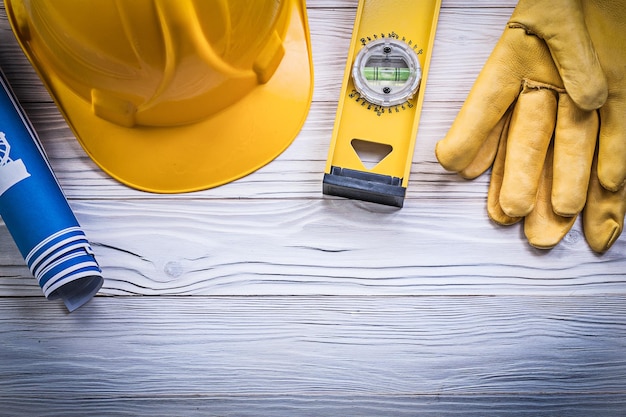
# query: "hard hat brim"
x,y
227,146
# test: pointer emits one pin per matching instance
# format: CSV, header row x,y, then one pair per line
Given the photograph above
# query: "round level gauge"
x,y
387,72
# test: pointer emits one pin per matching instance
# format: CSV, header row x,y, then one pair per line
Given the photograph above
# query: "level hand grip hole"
x,y
370,153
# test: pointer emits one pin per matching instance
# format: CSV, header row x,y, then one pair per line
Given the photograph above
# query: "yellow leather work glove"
x,y
522,62
524,182
603,215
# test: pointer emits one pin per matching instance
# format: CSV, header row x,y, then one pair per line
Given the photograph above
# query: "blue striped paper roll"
x,y
37,214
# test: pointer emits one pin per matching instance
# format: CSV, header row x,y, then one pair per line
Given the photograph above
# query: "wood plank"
x,y
358,405
325,355
309,305
327,246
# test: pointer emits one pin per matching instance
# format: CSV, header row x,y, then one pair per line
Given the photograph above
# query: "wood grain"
x,y
369,355
264,297
256,246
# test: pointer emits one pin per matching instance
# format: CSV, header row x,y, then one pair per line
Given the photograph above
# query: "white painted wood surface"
x,y
301,304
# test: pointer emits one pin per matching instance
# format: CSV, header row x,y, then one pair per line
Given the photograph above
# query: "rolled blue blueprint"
x,y
37,214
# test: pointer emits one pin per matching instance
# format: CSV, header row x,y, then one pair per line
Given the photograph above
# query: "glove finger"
x,y
612,152
495,89
574,145
603,216
495,184
487,152
530,132
580,69
561,24
544,228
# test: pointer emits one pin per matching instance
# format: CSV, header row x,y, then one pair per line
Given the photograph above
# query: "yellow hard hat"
x,y
173,95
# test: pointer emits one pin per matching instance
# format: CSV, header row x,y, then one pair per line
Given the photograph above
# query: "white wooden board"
x,y
263,297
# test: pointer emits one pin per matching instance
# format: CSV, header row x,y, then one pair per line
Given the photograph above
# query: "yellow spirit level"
x,y
381,100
